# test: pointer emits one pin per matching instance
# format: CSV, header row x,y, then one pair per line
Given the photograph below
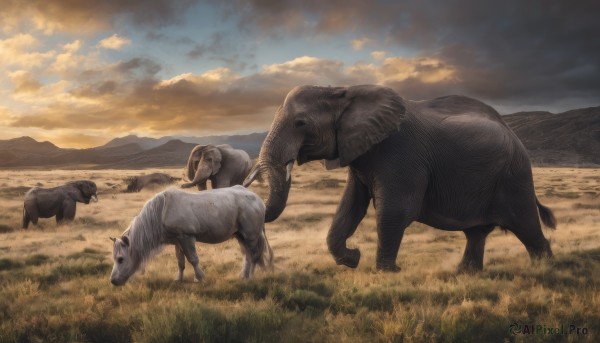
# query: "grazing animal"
x,y
137,183
451,163
182,218
58,201
223,165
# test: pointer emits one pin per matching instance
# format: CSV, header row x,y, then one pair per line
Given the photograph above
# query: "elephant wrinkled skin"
x,y
221,164
58,201
451,163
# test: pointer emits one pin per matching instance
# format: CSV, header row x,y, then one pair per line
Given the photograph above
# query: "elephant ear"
x,y
217,157
372,114
197,151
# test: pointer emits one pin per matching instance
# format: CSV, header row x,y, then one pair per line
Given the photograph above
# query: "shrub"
x,y
5,228
36,260
8,264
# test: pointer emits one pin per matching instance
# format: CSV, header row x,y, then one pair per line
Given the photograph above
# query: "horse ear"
x,y
125,240
113,239
372,114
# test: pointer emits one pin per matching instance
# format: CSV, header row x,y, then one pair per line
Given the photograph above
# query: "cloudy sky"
x,y
79,73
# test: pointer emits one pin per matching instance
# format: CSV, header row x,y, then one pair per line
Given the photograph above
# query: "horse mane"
x,y
145,232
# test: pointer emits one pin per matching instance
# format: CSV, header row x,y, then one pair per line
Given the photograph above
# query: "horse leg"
x,y
188,245
180,262
248,267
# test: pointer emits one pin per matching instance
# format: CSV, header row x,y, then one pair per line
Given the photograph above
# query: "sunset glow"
x,y
81,73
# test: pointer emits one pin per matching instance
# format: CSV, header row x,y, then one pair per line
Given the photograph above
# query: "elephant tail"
x,y
546,214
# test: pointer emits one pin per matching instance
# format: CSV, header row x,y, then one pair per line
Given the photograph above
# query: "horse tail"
x,y
546,215
268,246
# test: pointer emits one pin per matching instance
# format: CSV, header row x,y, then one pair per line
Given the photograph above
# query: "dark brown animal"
x,y
137,183
58,201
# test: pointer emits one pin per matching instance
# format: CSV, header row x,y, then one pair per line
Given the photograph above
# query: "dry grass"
x,y
54,281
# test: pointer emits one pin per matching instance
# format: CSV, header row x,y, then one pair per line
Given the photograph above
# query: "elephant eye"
x,y
120,260
299,123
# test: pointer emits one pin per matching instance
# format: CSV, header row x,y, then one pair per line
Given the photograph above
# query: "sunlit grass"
x,y
54,281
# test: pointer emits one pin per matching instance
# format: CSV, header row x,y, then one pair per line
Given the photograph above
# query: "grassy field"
x,y
54,281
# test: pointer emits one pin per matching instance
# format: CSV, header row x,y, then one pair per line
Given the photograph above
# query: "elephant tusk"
x,y
250,178
94,198
288,170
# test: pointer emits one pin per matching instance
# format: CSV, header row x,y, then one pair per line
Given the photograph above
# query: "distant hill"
x,y
244,142
571,138
144,142
172,153
129,152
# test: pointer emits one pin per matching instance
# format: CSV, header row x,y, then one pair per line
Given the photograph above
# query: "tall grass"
x,y
54,281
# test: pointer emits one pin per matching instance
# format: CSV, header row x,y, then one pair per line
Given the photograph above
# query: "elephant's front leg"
x,y
68,212
396,209
188,247
350,212
180,262
472,260
201,186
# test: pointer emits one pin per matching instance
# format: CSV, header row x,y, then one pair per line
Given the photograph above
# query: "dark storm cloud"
x,y
215,45
142,67
524,52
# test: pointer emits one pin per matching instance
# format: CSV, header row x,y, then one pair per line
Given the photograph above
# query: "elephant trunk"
x,y
201,175
279,188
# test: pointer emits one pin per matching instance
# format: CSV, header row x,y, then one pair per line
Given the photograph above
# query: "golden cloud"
x,y
24,81
424,69
359,43
217,100
88,16
378,55
17,51
114,42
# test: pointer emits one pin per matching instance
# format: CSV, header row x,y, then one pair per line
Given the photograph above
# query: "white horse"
x,y
182,218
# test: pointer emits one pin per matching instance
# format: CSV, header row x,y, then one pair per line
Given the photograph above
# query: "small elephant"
x,y
223,165
58,201
137,183
450,163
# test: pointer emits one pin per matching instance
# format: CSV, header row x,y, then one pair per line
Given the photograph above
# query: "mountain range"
x,y
570,138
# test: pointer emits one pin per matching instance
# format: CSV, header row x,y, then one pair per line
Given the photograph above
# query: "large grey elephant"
x,y
58,201
451,163
223,165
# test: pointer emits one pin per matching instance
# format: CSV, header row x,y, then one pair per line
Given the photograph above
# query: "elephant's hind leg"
x,y
30,214
525,224
532,237
472,260
26,218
